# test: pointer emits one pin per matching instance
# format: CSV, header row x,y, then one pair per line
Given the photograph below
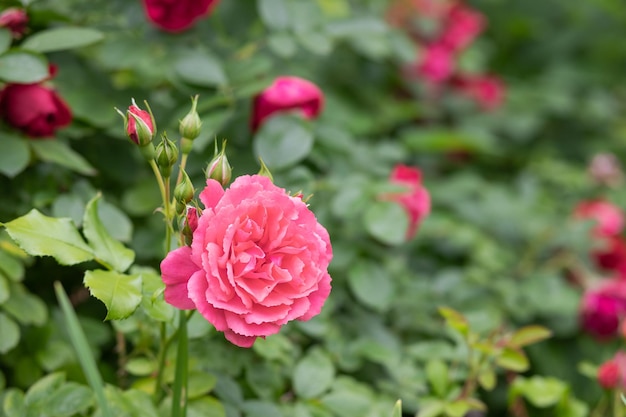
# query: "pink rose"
x,y
15,20
488,91
177,15
462,26
35,109
603,308
609,374
258,260
415,200
608,217
287,93
436,63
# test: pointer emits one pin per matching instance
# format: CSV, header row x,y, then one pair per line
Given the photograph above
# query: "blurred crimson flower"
x,y
486,90
177,15
415,200
436,64
284,94
612,373
15,20
612,255
603,308
608,217
35,109
462,26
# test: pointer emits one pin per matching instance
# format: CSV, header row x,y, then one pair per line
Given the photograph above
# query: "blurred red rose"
x,y
486,90
415,200
603,308
609,374
608,217
35,109
177,15
436,63
612,255
15,20
287,93
462,26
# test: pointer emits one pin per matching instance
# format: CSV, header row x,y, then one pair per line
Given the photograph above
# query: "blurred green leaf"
x,y
40,235
397,409
274,13
58,39
200,68
371,284
23,67
10,332
387,222
120,293
13,404
25,307
282,141
70,399
528,335
455,320
14,154
313,374
431,409
6,37
61,154
487,379
437,375
513,360
540,391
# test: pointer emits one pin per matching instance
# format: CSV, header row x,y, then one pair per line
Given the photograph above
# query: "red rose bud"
x,y
285,94
15,20
190,126
219,169
190,224
462,26
415,200
608,217
140,126
177,15
36,110
435,64
609,374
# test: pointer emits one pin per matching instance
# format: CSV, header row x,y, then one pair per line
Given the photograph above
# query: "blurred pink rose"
x,y
436,64
612,373
258,259
415,200
486,90
462,26
287,93
603,308
612,255
15,20
608,217
177,15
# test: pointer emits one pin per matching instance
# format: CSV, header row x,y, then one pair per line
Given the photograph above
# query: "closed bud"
x,y
264,171
190,223
183,193
190,125
166,156
219,169
139,124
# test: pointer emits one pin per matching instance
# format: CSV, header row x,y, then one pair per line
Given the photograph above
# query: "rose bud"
x,y
35,109
177,15
183,193
190,224
608,374
435,65
462,26
190,126
415,200
15,20
608,217
219,169
285,94
166,156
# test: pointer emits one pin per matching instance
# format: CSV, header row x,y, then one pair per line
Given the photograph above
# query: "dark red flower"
x,y
287,93
603,308
34,109
177,15
15,20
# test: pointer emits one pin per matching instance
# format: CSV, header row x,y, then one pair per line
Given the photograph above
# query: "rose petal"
x,y
176,270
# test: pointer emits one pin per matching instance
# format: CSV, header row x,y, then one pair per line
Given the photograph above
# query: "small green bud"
x,y
219,169
183,193
166,155
190,125
264,171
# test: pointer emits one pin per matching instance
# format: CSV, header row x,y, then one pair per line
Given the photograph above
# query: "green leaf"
x,y
25,307
542,392
5,292
437,376
43,388
371,285
14,154
85,356
274,13
455,320
487,379
457,409
313,374
70,399
282,44
6,37
58,39
13,404
105,248
61,154
10,332
120,293
431,409
23,67
200,383
513,360
283,140
200,68
387,222
11,267
397,409
140,366
529,335
40,235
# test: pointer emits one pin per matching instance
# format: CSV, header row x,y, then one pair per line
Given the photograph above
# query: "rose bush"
x,y
258,260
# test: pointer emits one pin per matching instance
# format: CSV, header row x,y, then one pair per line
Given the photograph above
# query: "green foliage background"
x,y
495,247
